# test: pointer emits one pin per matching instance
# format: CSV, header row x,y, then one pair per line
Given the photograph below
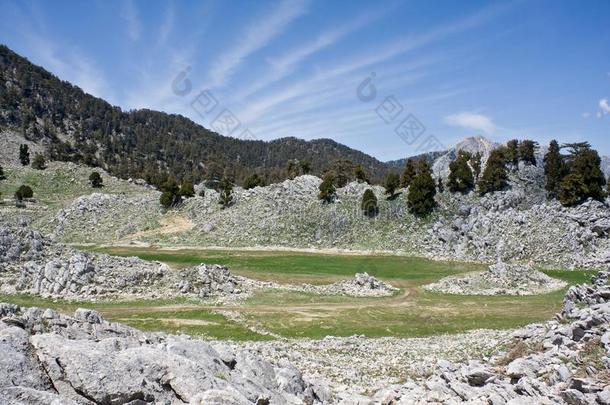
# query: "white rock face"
x,y
475,144
51,358
500,279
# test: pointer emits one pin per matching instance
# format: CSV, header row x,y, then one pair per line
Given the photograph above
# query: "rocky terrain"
x,y
500,279
49,358
34,264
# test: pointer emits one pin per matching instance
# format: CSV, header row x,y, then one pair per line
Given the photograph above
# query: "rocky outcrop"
x,y
209,280
500,279
563,361
47,358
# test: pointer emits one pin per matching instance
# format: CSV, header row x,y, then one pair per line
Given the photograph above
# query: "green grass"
x,y
411,312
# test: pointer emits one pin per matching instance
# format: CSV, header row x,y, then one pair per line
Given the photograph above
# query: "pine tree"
x,y
327,189
475,163
527,151
369,205
408,174
460,176
494,177
512,153
422,191
360,174
226,193
24,155
586,179
96,180
392,181
2,175
554,169
170,195
39,162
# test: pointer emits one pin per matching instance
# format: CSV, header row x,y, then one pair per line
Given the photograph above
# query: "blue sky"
x,y
267,69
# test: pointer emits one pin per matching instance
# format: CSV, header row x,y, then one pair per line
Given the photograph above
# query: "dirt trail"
x,y
169,225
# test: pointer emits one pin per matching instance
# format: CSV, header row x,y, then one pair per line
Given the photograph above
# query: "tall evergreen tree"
x,y
527,151
408,174
327,189
392,181
369,205
420,199
460,176
440,186
554,169
586,179
494,177
226,193
24,155
512,153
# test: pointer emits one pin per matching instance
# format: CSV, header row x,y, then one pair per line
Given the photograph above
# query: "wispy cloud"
x,y
256,36
168,24
129,13
284,65
473,121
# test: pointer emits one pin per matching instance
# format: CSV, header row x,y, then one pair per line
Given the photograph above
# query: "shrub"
x,y
392,181
253,181
96,180
361,175
369,205
327,189
2,175
187,190
24,192
39,162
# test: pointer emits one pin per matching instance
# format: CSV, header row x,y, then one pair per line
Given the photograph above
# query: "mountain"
x,y
472,145
72,125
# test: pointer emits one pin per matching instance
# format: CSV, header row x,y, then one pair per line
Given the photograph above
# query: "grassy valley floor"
x,y
412,312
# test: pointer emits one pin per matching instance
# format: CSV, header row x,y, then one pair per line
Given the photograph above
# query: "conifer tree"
x,y
420,199
408,174
461,178
2,175
226,193
187,189
440,186
512,153
327,189
586,179
392,181
527,151
554,169
369,205
494,177
253,181
24,155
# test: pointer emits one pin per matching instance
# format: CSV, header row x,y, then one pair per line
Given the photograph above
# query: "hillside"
x,y
75,126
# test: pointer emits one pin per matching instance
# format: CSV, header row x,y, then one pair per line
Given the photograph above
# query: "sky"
x,y
390,78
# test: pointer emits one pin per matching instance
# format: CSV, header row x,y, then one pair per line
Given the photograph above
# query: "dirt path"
x,y
169,225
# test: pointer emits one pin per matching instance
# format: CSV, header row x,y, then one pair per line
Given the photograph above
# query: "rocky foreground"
x,y
47,357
